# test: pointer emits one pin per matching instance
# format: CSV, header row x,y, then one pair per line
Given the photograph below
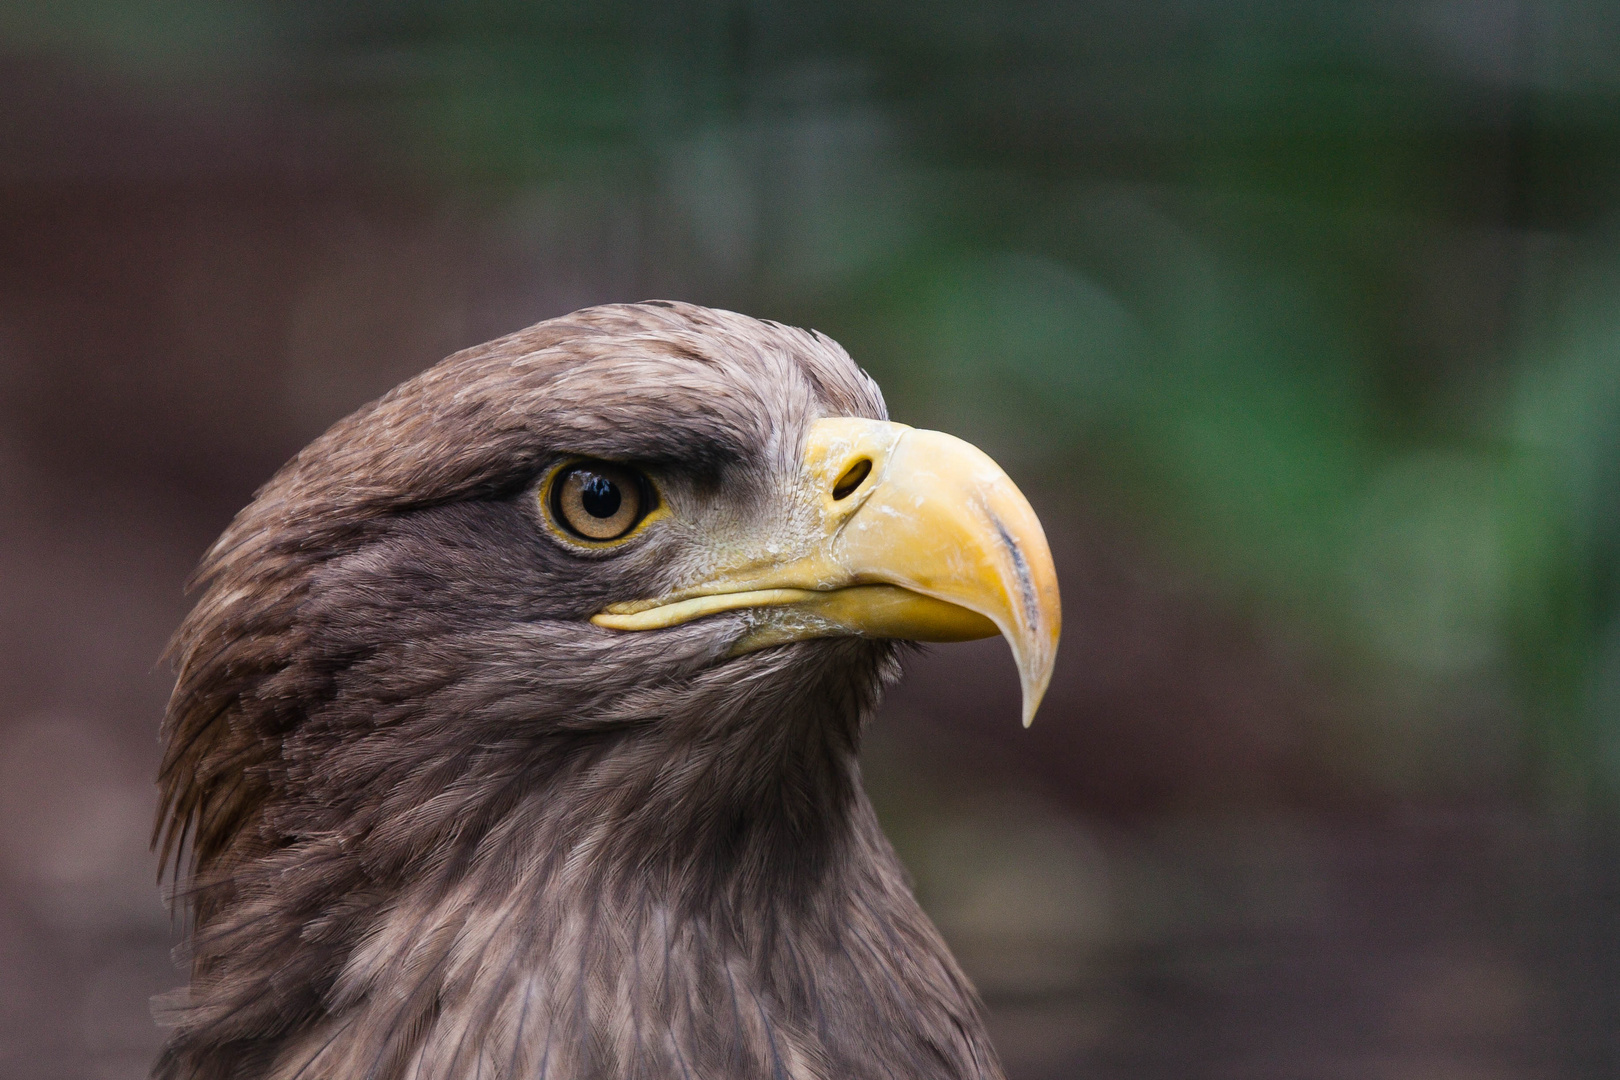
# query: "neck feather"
x,y
704,893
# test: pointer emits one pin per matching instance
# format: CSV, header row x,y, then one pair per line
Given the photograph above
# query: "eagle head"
x,y
515,728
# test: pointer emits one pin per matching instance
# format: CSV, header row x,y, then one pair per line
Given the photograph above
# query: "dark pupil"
x,y
600,497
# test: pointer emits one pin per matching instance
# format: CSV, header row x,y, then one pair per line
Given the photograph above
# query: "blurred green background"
x,y
1298,323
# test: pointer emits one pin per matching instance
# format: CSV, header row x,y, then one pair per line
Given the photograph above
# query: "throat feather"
x,y
698,888
569,976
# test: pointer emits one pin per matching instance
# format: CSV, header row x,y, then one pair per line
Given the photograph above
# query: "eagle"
x,y
515,728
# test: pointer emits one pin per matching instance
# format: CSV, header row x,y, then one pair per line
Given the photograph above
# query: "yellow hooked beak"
x,y
897,533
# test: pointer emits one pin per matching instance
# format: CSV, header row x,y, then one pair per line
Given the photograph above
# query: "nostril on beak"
x,y
851,479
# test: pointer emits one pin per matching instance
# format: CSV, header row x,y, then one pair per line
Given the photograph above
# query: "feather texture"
x,y
430,822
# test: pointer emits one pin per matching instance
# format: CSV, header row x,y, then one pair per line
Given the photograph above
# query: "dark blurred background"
x,y
1298,323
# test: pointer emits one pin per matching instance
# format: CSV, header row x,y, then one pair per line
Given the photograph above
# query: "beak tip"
x,y
1032,704
1034,693
1035,656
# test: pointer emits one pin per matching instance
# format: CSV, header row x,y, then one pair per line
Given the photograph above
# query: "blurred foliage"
x,y
1320,297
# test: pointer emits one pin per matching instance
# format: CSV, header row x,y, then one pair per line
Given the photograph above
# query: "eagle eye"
x,y
598,501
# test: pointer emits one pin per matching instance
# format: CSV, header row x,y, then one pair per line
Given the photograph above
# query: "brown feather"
x,y
430,822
